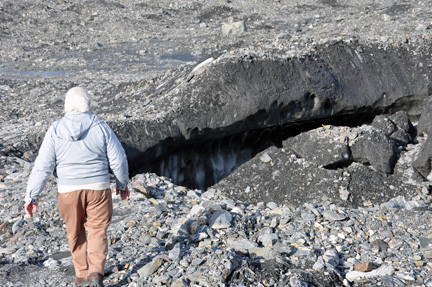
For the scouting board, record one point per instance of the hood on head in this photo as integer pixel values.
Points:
(74, 125)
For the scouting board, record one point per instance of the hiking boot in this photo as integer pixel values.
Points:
(96, 280)
(81, 282)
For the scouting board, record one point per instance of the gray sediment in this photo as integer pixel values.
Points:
(271, 143)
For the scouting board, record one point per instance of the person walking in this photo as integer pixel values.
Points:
(80, 148)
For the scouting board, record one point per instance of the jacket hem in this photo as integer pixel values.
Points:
(81, 181)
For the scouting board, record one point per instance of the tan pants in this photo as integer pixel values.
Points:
(89, 210)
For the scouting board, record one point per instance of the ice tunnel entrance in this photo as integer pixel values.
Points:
(221, 118)
(201, 163)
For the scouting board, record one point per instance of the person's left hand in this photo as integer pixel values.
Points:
(29, 208)
(124, 194)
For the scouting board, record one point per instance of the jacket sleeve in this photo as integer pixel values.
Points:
(42, 169)
(117, 159)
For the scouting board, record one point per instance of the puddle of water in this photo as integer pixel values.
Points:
(180, 56)
(154, 60)
(41, 73)
(116, 56)
(9, 74)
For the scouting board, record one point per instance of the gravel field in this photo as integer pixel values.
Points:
(124, 52)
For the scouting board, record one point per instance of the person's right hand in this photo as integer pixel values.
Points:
(29, 208)
(124, 194)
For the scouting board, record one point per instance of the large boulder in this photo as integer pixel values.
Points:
(423, 161)
(336, 147)
(322, 147)
(377, 149)
(397, 126)
(425, 121)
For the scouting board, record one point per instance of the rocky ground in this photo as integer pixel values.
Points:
(165, 234)
(124, 53)
(170, 235)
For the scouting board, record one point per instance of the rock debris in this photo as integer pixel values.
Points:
(356, 218)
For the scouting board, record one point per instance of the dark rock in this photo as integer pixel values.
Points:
(384, 124)
(423, 161)
(402, 121)
(294, 181)
(397, 126)
(401, 137)
(263, 272)
(321, 147)
(425, 121)
(381, 245)
(377, 149)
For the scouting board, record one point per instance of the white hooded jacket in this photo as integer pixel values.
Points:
(81, 148)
